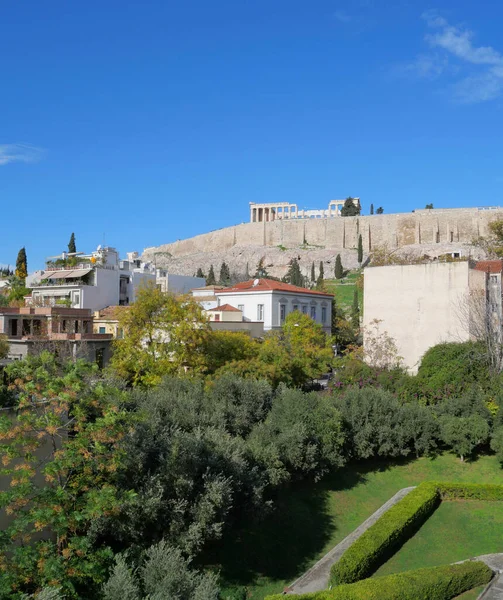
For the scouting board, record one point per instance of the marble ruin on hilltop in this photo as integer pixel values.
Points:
(272, 211)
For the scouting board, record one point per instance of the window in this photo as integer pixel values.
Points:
(295, 307)
(241, 307)
(103, 329)
(217, 317)
(13, 327)
(260, 312)
(323, 314)
(313, 312)
(304, 309)
(282, 312)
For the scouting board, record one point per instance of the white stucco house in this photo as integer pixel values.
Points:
(269, 302)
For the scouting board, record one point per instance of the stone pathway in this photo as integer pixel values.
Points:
(316, 579)
(494, 590)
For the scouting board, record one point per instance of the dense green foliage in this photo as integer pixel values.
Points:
(350, 209)
(164, 573)
(382, 539)
(360, 249)
(72, 248)
(437, 583)
(211, 280)
(21, 264)
(338, 270)
(469, 491)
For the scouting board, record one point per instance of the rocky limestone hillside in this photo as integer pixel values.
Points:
(276, 259)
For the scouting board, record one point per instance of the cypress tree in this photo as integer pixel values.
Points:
(21, 264)
(371, 209)
(247, 272)
(225, 274)
(200, 273)
(338, 270)
(261, 270)
(380, 211)
(322, 271)
(210, 280)
(313, 274)
(355, 311)
(360, 249)
(294, 275)
(71, 244)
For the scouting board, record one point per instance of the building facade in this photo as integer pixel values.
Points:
(67, 332)
(269, 302)
(421, 305)
(272, 211)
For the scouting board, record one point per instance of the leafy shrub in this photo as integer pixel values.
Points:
(383, 538)
(164, 573)
(437, 583)
(380, 425)
(464, 434)
(469, 491)
(451, 367)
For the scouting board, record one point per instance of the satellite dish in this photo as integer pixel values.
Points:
(256, 282)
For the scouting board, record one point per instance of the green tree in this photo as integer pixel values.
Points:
(21, 265)
(163, 573)
(261, 271)
(62, 479)
(464, 434)
(497, 443)
(371, 209)
(355, 311)
(429, 206)
(247, 272)
(223, 347)
(200, 273)
(360, 249)
(380, 211)
(225, 274)
(338, 270)
(342, 330)
(294, 275)
(71, 244)
(313, 274)
(165, 334)
(210, 280)
(350, 209)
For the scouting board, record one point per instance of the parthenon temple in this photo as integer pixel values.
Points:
(273, 211)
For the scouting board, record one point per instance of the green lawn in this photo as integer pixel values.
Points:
(455, 531)
(344, 290)
(311, 519)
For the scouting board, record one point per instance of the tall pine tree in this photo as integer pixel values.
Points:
(200, 273)
(360, 249)
(313, 274)
(71, 244)
(210, 280)
(261, 271)
(380, 211)
(21, 264)
(371, 209)
(338, 270)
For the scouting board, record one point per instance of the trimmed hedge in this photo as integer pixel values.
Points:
(437, 583)
(469, 491)
(385, 536)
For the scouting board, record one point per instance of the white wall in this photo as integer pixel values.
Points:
(137, 280)
(419, 305)
(180, 284)
(272, 300)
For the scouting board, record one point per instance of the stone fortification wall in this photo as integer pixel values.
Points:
(396, 230)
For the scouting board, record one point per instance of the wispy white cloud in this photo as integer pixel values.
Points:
(454, 52)
(10, 153)
(342, 16)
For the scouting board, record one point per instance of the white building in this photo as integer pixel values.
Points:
(92, 281)
(422, 305)
(205, 296)
(177, 284)
(268, 302)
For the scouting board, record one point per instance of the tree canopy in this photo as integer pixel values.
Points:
(350, 209)
(21, 264)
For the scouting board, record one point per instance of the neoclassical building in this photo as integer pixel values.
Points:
(286, 210)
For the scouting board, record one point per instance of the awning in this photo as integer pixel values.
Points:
(74, 274)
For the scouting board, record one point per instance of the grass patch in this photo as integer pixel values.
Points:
(456, 530)
(344, 290)
(310, 519)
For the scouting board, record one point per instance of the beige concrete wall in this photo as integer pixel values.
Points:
(394, 230)
(418, 305)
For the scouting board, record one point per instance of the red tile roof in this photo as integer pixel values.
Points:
(490, 266)
(265, 285)
(225, 308)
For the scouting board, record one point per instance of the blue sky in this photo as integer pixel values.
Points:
(147, 122)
